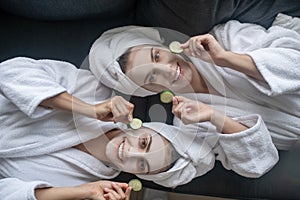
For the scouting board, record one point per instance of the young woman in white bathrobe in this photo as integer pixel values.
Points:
(238, 69)
(58, 135)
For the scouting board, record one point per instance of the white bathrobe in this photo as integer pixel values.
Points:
(35, 143)
(276, 53)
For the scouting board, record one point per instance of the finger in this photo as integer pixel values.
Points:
(122, 185)
(125, 110)
(128, 193)
(191, 48)
(119, 190)
(199, 46)
(175, 103)
(185, 45)
(118, 112)
(178, 110)
(180, 98)
(112, 194)
(130, 115)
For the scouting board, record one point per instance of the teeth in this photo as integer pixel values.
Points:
(120, 151)
(177, 73)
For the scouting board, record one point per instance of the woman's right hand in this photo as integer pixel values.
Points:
(116, 109)
(100, 190)
(106, 190)
(190, 111)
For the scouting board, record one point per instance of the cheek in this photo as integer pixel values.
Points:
(137, 76)
(129, 166)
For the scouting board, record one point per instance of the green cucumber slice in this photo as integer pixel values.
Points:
(135, 184)
(175, 47)
(136, 123)
(166, 96)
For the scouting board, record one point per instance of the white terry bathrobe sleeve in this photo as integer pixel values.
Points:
(13, 188)
(250, 153)
(27, 82)
(275, 52)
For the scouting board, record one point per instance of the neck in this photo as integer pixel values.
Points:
(198, 82)
(97, 146)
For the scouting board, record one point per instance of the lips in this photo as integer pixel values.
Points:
(121, 151)
(179, 71)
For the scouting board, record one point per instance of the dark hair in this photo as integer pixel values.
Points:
(123, 59)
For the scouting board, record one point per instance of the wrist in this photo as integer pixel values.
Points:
(223, 59)
(217, 119)
(59, 193)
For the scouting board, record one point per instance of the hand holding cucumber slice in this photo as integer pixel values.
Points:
(135, 184)
(166, 96)
(175, 47)
(136, 123)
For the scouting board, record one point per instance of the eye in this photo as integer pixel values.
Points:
(156, 56)
(152, 78)
(141, 164)
(143, 143)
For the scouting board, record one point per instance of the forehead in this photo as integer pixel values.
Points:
(140, 55)
(159, 154)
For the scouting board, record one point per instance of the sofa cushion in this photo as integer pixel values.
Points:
(68, 9)
(199, 16)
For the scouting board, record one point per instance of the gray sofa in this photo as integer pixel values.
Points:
(65, 30)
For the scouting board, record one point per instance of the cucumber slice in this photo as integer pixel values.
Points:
(135, 184)
(175, 47)
(136, 123)
(166, 96)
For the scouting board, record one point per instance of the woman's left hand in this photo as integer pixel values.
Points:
(205, 47)
(190, 111)
(208, 49)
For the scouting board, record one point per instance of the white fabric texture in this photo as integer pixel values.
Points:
(287, 21)
(13, 188)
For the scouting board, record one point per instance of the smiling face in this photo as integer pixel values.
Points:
(139, 151)
(156, 68)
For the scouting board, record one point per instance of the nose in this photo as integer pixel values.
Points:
(131, 152)
(170, 72)
(166, 69)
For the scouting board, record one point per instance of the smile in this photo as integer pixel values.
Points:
(178, 70)
(120, 151)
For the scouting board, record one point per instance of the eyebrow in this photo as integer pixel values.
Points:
(149, 144)
(147, 150)
(148, 167)
(152, 60)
